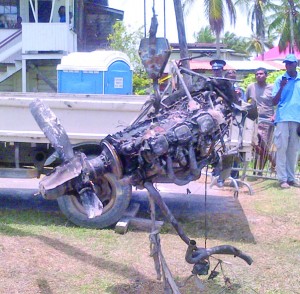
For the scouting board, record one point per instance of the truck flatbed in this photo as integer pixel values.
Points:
(85, 117)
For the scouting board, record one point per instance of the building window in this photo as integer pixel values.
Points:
(8, 13)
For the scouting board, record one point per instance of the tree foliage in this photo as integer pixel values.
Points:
(257, 45)
(285, 22)
(128, 42)
(256, 11)
(236, 43)
(205, 35)
(268, 20)
(215, 11)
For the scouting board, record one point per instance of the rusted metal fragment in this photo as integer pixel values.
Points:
(154, 56)
(52, 128)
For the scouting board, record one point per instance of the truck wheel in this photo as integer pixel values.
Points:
(114, 196)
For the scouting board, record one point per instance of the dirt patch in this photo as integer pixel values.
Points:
(49, 255)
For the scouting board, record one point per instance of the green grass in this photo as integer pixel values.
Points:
(277, 202)
(101, 261)
(97, 285)
(30, 223)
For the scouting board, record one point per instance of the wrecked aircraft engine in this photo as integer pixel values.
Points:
(171, 145)
(171, 141)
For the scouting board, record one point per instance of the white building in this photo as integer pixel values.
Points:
(29, 55)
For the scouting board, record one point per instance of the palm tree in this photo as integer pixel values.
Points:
(231, 40)
(257, 45)
(205, 35)
(215, 12)
(236, 43)
(256, 18)
(292, 19)
(256, 14)
(284, 22)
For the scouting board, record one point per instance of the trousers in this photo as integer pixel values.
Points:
(287, 143)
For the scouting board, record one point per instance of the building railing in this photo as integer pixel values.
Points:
(10, 38)
(37, 37)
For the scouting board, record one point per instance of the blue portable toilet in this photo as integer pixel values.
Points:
(97, 72)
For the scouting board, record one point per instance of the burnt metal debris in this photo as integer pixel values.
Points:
(172, 140)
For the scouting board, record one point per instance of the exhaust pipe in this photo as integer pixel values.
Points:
(196, 254)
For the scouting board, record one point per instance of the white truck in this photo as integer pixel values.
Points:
(87, 118)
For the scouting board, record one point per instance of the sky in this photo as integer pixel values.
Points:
(134, 18)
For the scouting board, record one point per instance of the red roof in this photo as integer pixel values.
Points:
(274, 54)
(205, 64)
(245, 65)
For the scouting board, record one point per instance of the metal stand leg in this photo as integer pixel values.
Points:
(235, 183)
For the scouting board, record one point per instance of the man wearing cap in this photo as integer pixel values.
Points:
(286, 94)
(217, 66)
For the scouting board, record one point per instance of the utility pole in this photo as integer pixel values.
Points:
(182, 38)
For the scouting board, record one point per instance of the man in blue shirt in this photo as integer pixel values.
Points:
(286, 94)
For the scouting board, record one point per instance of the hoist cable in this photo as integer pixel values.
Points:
(205, 210)
(145, 21)
(165, 19)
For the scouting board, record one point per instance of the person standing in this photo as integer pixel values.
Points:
(3, 21)
(18, 24)
(231, 74)
(261, 93)
(217, 66)
(286, 94)
(62, 13)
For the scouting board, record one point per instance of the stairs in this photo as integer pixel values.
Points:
(11, 55)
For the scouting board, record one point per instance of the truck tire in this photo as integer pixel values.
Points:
(114, 196)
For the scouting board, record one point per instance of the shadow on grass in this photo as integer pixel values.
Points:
(43, 286)
(139, 283)
(211, 286)
(262, 185)
(225, 218)
(220, 217)
(25, 199)
(78, 254)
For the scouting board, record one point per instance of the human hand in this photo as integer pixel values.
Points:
(283, 82)
(238, 93)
